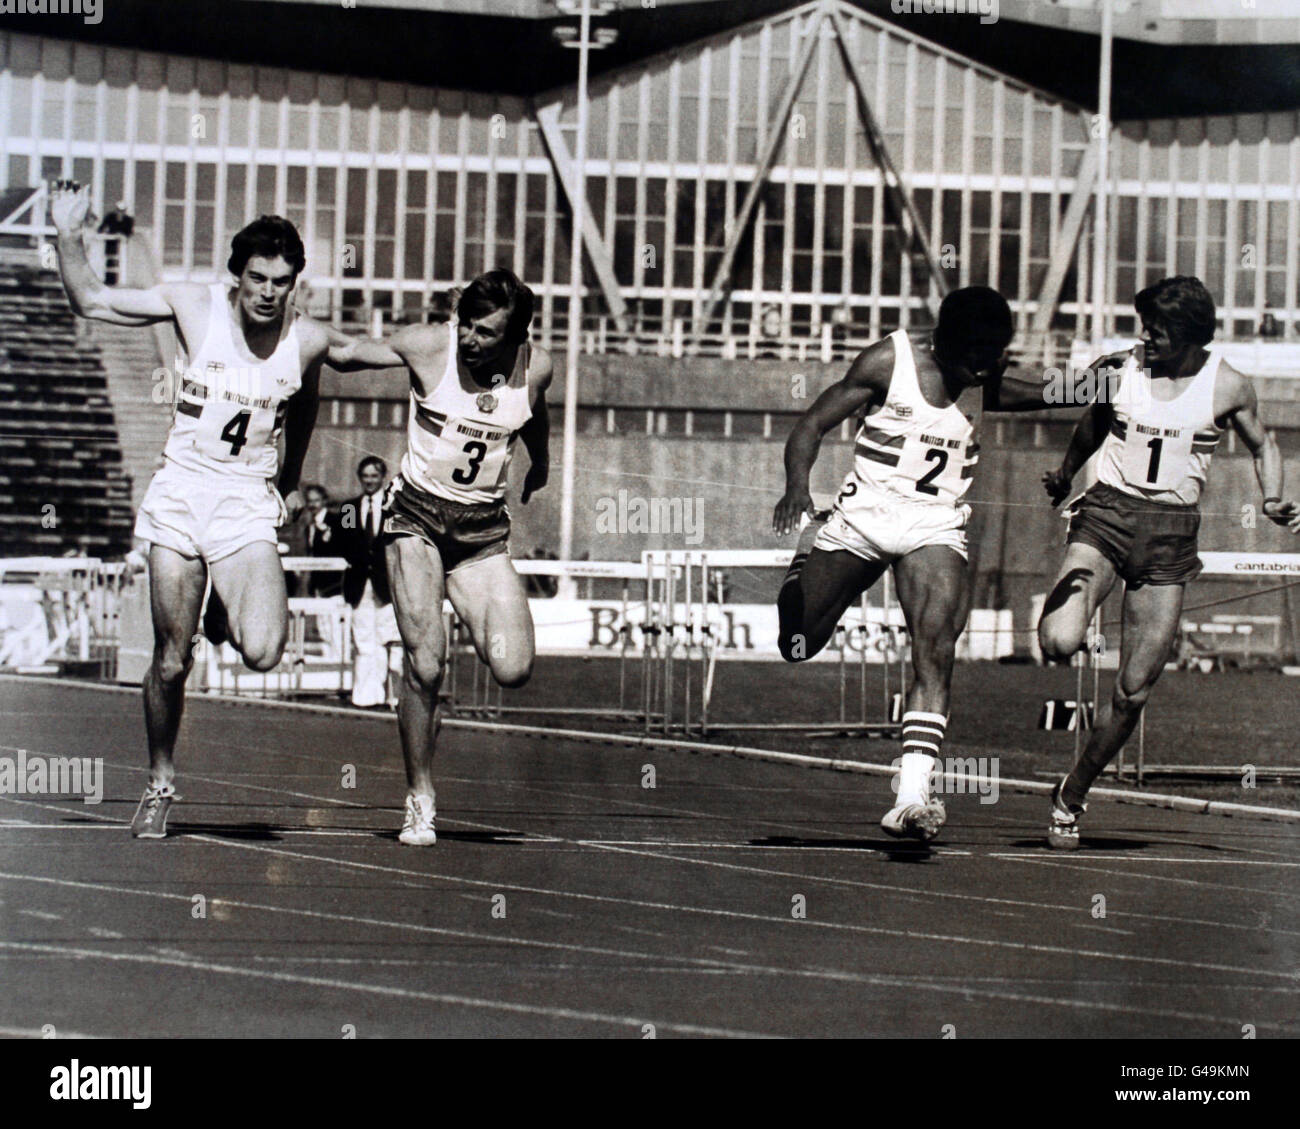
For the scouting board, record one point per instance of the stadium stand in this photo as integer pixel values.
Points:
(62, 481)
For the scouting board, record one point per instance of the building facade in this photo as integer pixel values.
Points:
(402, 190)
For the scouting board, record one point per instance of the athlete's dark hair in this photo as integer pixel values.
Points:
(372, 460)
(971, 318)
(1183, 305)
(267, 236)
(499, 290)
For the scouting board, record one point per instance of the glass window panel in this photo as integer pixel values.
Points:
(174, 235)
(475, 205)
(205, 216)
(536, 189)
(385, 204)
(265, 198)
(507, 186)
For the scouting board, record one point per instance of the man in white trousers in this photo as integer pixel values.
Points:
(356, 538)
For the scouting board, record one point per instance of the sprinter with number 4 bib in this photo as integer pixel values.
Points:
(1172, 399)
(212, 510)
(918, 397)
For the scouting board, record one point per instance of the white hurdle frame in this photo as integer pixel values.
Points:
(663, 569)
(487, 700)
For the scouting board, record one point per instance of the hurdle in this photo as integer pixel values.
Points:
(684, 609)
(486, 700)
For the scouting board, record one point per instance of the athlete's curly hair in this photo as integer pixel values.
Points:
(499, 290)
(267, 236)
(1181, 303)
(974, 317)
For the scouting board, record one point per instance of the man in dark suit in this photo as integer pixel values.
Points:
(310, 534)
(355, 530)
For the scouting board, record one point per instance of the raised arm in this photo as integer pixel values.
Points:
(536, 433)
(1268, 459)
(87, 294)
(866, 382)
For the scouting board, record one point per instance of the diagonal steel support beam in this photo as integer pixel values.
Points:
(548, 122)
(903, 206)
(1084, 183)
(767, 158)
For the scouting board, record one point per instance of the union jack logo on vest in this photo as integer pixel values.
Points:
(486, 402)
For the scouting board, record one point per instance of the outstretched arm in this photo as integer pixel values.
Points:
(1012, 394)
(536, 433)
(87, 294)
(359, 354)
(1268, 459)
(1089, 432)
(866, 382)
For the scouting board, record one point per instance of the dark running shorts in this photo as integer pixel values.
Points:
(462, 532)
(1148, 543)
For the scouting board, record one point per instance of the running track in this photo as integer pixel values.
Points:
(623, 906)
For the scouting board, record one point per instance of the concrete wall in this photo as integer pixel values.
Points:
(719, 493)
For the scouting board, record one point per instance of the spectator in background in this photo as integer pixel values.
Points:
(442, 305)
(770, 325)
(356, 537)
(536, 584)
(1269, 326)
(118, 221)
(310, 535)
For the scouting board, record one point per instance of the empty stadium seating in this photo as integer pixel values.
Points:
(62, 482)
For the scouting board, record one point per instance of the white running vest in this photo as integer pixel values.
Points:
(911, 448)
(459, 443)
(1161, 450)
(229, 411)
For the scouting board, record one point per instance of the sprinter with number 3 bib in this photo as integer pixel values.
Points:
(477, 388)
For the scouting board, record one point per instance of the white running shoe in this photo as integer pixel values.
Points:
(150, 819)
(1063, 830)
(417, 828)
(915, 820)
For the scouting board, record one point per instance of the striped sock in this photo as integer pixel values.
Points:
(923, 735)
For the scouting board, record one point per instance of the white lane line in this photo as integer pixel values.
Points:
(1037, 856)
(977, 941)
(629, 1021)
(768, 756)
(41, 915)
(1172, 880)
(803, 973)
(909, 934)
(564, 1013)
(39, 1033)
(905, 891)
